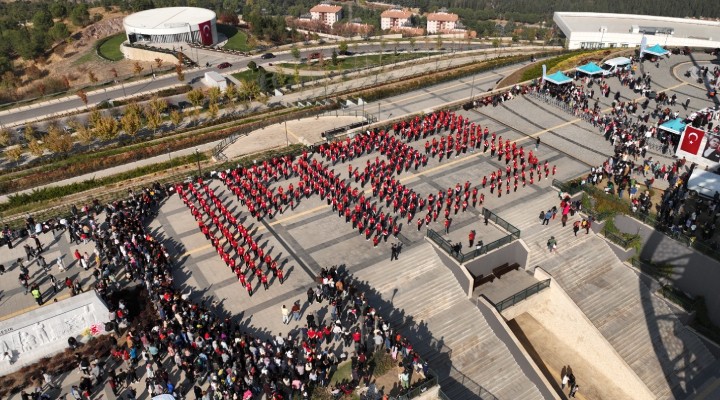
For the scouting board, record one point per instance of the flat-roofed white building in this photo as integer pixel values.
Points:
(395, 19)
(327, 13)
(596, 30)
(214, 79)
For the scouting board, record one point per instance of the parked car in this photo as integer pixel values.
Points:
(316, 55)
(224, 65)
(267, 55)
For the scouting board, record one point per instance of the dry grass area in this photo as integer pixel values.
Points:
(76, 58)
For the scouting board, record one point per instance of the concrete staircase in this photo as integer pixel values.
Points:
(420, 294)
(642, 327)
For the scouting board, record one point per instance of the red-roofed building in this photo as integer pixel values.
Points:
(327, 13)
(441, 22)
(395, 19)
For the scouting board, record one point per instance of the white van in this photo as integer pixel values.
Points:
(704, 183)
(615, 65)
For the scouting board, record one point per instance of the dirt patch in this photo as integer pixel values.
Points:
(75, 59)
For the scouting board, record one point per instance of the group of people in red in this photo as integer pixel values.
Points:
(211, 214)
(257, 187)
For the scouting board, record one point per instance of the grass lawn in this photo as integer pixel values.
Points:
(352, 62)
(110, 47)
(89, 56)
(237, 40)
(343, 373)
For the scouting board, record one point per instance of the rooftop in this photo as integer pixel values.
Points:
(396, 14)
(446, 17)
(623, 23)
(169, 17)
(326, 8)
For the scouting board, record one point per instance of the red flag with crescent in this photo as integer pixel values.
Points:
(691, 139)
(206, 36)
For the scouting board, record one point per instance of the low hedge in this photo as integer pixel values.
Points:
(55, 192)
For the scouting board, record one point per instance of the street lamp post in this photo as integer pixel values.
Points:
(197, 157)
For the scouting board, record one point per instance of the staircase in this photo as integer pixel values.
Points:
(418, 293)
(641, 327)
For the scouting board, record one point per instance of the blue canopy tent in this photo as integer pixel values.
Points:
(557, 78)
(590, 69)
(675, 126)
(656, 50)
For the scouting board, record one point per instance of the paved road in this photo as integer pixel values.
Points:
(72, 102)
(412, 102)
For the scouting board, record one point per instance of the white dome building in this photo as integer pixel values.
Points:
(172, 24)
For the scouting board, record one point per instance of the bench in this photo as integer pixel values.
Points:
(504, 269)
(481, 280)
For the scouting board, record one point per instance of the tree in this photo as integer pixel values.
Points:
(252, 66)
(334, 57)
(343, 47)
(176, 117)
(84, 134)
(158, 62)
(58, 10)
(195, 97)
(137, 68)
(296, 76)
(80, 15)
(92, 77)
(83, 96)
(36, 148)
(438, 42)
(107, 128)
(57, 141)
(159, 105)
(130, 121)
(250, 90)
(213, 95)
(295, 52)
(179, 72)
(213, 110)
(29, 133)
(14, 153)
(153, 118)
(42, 20)
(33, 72)
(5, 137)
(231, 93)
(412, 43)
(59, 31)
(95, 118)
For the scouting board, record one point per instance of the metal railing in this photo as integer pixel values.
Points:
(522, 295)
(514, 234)
(418, 389)
(571, 187)
(625, 243)
(469, 385)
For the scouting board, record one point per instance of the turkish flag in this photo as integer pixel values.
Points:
(691, 140)
(206, 36)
